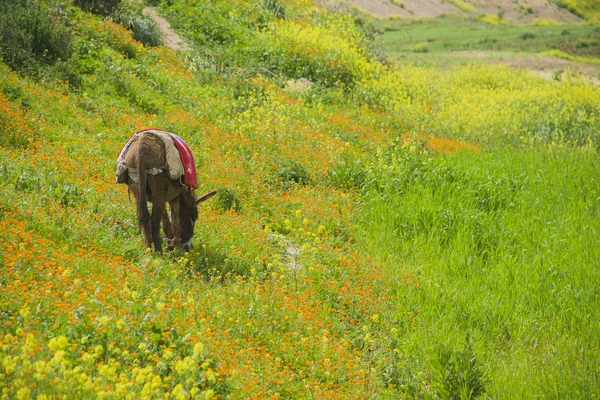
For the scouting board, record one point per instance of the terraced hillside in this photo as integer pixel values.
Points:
(520, 11)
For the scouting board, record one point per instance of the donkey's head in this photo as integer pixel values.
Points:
(188, 213)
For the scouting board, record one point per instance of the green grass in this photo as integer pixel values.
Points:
(452, 34)
(503, 245)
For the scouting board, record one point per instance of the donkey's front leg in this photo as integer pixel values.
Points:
(167, 227)
(168, 230)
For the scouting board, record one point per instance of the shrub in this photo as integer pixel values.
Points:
(584, 43)
(490, 19)
(246, 93)
(294, 171)
(211, 26)
(422, 47)
(545, 22)
(461, 5)
(458, 374)
(100, 7)
(30, 38)
(275, 7)
(349, 173)
(144, 28)
(229, 199)
(527, 36)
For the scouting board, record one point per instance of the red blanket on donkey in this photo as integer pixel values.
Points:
(190, 178)
(187, 159)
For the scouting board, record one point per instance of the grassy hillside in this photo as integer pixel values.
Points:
(589, 9)
(395, 231)
(456, 34)
(452, 40)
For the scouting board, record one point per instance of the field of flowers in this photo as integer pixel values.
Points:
(393, 232)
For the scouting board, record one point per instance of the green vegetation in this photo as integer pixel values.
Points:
(390, 231)
(144, 28)
(100, 7)
(461, 5)
(452, 34)
(488, 232)
(588, 9)
(31, 36)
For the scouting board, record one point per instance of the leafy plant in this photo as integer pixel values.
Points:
(457, 373)
(349, 173)
(30, 37)
(275, 7)
(100, 7)
(527, 35)
(294, 171)
(229, 199)
(143, 27)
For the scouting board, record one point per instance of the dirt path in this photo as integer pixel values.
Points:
(167, 34)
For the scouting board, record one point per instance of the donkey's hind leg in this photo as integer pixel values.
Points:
(145, 224)
(175, 221)
(158, 210)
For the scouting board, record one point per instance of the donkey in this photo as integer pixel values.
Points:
(147, 155)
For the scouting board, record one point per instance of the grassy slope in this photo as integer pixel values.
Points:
(589, 9)
(455, 34)
(405, 250)
(500, 248)
(436, 39)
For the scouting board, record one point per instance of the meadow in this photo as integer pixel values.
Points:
(395, 231)
(449, 40)
(453, 33)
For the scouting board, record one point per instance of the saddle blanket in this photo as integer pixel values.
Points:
(180, 161)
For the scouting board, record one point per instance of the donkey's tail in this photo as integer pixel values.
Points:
(142, 206)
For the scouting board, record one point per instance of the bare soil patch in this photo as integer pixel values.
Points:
(510, 10)
(522, 13)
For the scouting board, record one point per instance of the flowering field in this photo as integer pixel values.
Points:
(393, 232)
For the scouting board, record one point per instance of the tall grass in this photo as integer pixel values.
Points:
(144, 28)
(504, 245)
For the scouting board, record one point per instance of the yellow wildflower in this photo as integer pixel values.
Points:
(58, 343)
(179, 392)
(198, 350)
(24, 393)
(211, 376)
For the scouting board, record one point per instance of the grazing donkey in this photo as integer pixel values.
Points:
(148, 178)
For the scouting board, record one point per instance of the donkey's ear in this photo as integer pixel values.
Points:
(204, 197)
